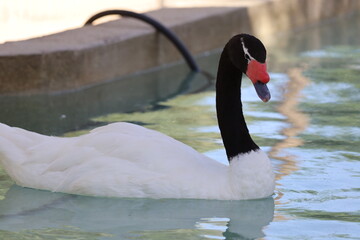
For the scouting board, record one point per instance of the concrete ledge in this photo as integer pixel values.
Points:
(95, 54)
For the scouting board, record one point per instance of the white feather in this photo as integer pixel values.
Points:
(126, 160)
(247, 55)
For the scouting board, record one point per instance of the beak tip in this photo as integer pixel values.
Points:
(266, 98)
(262, 91)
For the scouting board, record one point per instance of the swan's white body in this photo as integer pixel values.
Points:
(126, 160)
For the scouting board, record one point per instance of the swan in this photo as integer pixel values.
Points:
(127, 160)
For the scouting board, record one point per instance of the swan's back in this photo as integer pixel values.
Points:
(119, 159)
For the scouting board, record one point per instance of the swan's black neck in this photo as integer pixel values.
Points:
(234, 131)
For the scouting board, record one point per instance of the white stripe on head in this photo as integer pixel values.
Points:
(247, 55)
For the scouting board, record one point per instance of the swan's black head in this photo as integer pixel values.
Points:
(248, 54)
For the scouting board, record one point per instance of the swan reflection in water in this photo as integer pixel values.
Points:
(28, 211)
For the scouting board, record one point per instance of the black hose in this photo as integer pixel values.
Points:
(158, 26)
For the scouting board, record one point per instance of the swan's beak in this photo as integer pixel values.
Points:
(262, 91)
(257, 73)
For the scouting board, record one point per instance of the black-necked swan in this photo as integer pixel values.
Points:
(127, 160)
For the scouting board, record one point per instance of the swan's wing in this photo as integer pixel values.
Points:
(115, 160)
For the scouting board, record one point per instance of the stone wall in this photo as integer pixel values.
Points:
(95, 54)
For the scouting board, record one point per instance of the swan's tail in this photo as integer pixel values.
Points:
(14, 144)
(22, 138)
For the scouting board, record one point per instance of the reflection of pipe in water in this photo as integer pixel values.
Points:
(297, 119)
(55, 114)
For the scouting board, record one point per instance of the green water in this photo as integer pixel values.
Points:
(310, 129)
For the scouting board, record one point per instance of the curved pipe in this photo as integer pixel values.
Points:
(158, 26)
